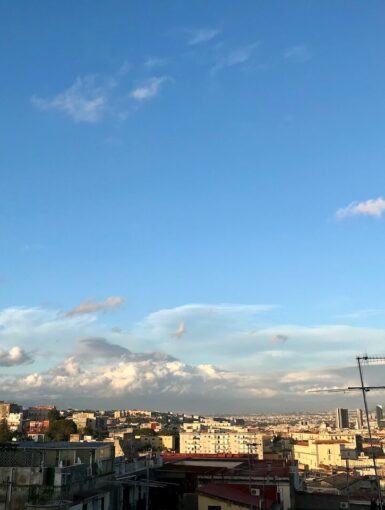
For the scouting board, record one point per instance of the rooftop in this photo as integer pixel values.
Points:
(60, 445)
(237, 493)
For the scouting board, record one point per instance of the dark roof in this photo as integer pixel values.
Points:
(339, 481)
(229, 493)
(236, 493)
(61, 445)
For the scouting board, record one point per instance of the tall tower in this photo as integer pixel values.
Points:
(342, 418)
(359, 419)
(379, 415)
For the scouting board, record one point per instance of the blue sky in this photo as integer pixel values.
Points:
(208, 177)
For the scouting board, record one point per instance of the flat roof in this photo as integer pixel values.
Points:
(60, 445)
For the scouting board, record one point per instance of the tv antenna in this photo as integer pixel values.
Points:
(364, 360)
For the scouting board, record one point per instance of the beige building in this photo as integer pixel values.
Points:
(350, 438)
(15, 422)
(314, 454)
(84, 420)
(6, 408)
(157, 443)
(209, 442)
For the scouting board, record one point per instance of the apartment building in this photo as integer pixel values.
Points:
(350, 438)
(83, 420)
(157, 442)
(58, 475)
(244, 442)
(7, 407)
(15, 422)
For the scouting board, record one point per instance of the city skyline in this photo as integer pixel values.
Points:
(192, 203)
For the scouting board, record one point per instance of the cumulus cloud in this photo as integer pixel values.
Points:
(14, 356)
(149, 89)
(163, 378)
(84, 101)
(299, 54)
(235, 57)
(89, 306)
(142, 374)
(201, 35)
(219, 355)
(373, 207)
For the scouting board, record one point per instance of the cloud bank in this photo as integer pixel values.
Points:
(226, 357)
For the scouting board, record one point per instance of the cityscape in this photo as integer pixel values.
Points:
(141, 459)
(192, 284)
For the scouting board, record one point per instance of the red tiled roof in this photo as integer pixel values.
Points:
(170, 457)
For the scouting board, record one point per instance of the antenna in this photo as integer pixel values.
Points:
(367, 360)
(370, 360)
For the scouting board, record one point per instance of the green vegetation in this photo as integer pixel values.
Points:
(5, 433)
(59, 428)
(147, 432)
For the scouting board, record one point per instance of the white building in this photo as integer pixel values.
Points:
(15, 422)
(210, 442)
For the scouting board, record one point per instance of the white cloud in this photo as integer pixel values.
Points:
(155, 62)
(14, 356)
(227, 351)
(156, 377)
(298, 54)
(235, 57)
(201, 35)
(374, 207)
(142, 374)
(204, 320)
(84, 101)
(149, 89)
(181, 330)
(89, 306)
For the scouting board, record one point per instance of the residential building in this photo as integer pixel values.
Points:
(7, 407)
(207, 442)
(15, 422)
(59, 476)
(214, 496)
(39, 413)
(190, 473)
(84, 419)
(157, 442)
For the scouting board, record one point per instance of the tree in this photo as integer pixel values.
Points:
(53, 415)
(147, 432)
(60, 430)
(5, 433)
